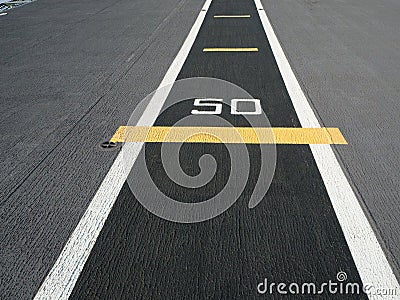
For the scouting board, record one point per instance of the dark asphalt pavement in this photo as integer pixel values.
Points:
(65, 87)
(71, 72)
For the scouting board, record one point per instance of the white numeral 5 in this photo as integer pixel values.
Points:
(203, 103)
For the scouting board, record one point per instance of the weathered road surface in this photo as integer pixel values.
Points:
(72, 72)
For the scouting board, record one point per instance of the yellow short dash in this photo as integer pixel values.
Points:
(233, 135)
(230, 50)
(231, 16)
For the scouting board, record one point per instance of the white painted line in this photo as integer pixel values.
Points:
(370, 260)
(61, 279)
(3, 14)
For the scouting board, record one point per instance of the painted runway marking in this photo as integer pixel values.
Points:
(231, 16)
(368, 256)
(248, 135)
(61, 279)
(370, 260)
(230, 50)
(210, 102)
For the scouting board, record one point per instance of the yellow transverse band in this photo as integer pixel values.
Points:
(247, 135)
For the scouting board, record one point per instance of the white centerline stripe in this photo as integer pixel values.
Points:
(61, 279)
(370, 260)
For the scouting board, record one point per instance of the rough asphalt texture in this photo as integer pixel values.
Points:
(72, 71)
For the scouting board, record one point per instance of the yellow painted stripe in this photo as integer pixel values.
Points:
(230, 49)
(248, 135)
(231, 16)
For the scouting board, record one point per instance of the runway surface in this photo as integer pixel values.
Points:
(72, 73)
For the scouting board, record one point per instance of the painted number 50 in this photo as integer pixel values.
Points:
(217, 107)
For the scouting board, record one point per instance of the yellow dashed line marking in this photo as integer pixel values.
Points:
(234, 135)
(231, 16)
(230, 50)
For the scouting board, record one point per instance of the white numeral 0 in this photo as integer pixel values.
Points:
(257, 107)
